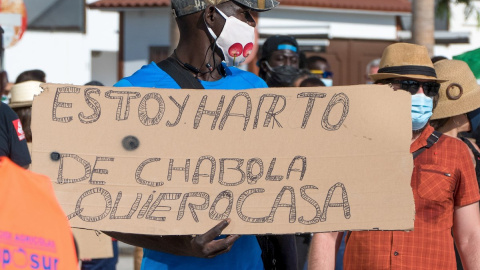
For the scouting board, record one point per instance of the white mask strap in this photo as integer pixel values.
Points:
(210, 29)
(221, 13)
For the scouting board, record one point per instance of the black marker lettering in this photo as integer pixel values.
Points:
(108, 204)
(271, 112)
(143, 110)
(180, 110)
(123, 108)
(93, 104)
(237, 168)
(192, 206)
(337, 98)
(241, 200)
(136, 203)
(227, 194)
(252, 179)
(302, 171)
(56, 103)
(311, 102)
(156, 205)
(269, 176)
(345, 204)
(185, 169)
(85, 164)
(201, 111)
(197, 174)
(276, 204)
(310, 200)
(99, 171)
(138, 173)
(248, 111)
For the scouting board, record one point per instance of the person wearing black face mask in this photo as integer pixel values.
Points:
(279, 64)
(282, 76)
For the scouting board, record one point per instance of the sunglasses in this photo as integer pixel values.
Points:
(429, 88)
(323, 74)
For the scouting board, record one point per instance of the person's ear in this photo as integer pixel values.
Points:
(263, 66)
(209, 15)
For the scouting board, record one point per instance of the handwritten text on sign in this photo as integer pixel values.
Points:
(273, 160)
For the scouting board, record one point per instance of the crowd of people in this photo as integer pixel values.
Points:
(445, 114)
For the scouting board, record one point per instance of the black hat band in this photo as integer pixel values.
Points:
(410, 70)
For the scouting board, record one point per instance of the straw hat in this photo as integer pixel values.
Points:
(404, 60)
(460, 93)
(22, 93)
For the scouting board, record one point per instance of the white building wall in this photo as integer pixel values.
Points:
(332, 22)
(65, 57)
(458, 23)
(144, 28)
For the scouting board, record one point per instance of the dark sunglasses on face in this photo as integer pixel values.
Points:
(429, 88)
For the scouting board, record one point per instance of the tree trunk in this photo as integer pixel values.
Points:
(423, 23)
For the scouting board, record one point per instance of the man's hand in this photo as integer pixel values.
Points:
(203, 246)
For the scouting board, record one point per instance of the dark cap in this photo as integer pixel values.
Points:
(186, 7)
(276, 43)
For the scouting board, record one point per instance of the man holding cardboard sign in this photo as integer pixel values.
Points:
(443, 182)
(210, 31)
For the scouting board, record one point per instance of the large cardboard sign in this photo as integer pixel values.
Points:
(93, 244)
(173, 162)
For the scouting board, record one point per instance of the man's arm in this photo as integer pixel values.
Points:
(203, 246)
(466, 231)
(323, 250)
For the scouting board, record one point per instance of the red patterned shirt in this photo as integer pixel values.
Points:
(443, 178)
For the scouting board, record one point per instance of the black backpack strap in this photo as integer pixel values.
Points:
(181, 76)
(432, 139)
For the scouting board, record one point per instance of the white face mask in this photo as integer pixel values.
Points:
(235, 40)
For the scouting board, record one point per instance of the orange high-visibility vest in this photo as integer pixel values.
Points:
(34, 231)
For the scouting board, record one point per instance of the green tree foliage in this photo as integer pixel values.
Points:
(442, 9)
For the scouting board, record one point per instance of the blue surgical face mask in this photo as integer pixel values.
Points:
(327, 82)
(422, 107)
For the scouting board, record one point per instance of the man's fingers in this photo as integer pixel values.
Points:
(214, 232)
(222, 245)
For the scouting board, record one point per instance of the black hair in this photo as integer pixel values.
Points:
(31, 75)
(315, 58)
(438, 58)
(311, 82)
(95, 83)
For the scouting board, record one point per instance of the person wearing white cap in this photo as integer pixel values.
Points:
(21, 101)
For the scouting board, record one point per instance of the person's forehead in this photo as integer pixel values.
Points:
(284, 52)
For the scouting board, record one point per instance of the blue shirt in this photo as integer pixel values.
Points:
(152, 76)
(245, 253)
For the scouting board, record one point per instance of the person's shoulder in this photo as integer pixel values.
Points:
(148, 76)
(253, 80)
(452, 144)
(7, 112)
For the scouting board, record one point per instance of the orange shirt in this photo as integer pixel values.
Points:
(443, 178)
(34, 231)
